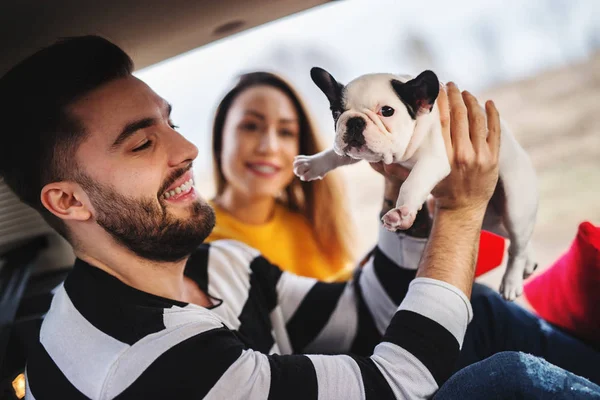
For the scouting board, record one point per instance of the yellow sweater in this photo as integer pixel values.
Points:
(286, 240)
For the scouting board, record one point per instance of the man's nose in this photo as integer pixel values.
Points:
(181, 150)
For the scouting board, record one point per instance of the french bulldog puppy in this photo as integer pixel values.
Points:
(395, 119)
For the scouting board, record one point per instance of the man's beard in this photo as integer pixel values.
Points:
(146, 228)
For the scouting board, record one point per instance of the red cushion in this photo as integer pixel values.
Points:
(568, 293)
(491, 252)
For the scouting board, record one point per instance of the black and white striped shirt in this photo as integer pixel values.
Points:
(271, 334)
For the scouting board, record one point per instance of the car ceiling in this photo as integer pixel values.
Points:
(150, 31)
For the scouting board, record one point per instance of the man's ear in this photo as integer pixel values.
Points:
(328, 85)
(418, 94)
(66, 200)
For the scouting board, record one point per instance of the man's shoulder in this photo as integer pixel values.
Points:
(171, 355)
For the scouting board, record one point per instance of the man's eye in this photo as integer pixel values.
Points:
(173, 126)
(144, 146)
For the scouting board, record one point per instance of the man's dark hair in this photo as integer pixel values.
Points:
(38, 136)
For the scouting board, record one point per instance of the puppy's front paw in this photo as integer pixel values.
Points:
(307, 168)
(399, 218)
(511, 286)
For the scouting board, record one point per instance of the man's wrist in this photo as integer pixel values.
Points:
(466, 215)
(451, 251)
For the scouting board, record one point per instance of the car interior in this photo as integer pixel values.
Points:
(539, 61)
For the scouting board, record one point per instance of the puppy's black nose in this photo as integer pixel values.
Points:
(355, 127)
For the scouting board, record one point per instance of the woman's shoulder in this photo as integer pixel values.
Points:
(226, 226)
(285, 215)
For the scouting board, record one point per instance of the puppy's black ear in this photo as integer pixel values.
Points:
(418, 94)
(328, 85)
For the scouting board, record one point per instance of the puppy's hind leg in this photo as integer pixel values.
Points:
(519, 220)
(494, 214)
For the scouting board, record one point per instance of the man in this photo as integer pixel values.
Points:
(149, 312)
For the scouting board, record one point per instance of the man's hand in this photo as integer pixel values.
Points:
(473, 145)
(394, 174)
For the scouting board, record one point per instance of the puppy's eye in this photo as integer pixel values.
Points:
(336, 114)
(387, 111)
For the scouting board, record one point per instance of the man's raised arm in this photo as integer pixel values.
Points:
(418, 351)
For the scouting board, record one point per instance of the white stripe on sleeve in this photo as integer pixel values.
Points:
(380, 305)
(404, 250)
(338, 377)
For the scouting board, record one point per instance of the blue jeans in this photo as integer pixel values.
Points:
(514, 375)
(499, 326)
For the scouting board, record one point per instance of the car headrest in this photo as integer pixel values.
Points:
(19, 222)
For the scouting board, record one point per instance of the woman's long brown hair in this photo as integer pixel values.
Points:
(322, 201)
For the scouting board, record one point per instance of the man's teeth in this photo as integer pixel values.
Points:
(186, 186)
(265, 169)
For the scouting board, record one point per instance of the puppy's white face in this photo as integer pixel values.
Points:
(375, 114)
(374, 125)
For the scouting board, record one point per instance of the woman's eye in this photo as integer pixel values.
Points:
(173, 126)
(250, 126)
(287, 133)
(143, 146)
(387, 111)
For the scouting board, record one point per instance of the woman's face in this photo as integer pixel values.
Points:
(260, 140)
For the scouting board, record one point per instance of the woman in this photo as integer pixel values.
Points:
(259, 127)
